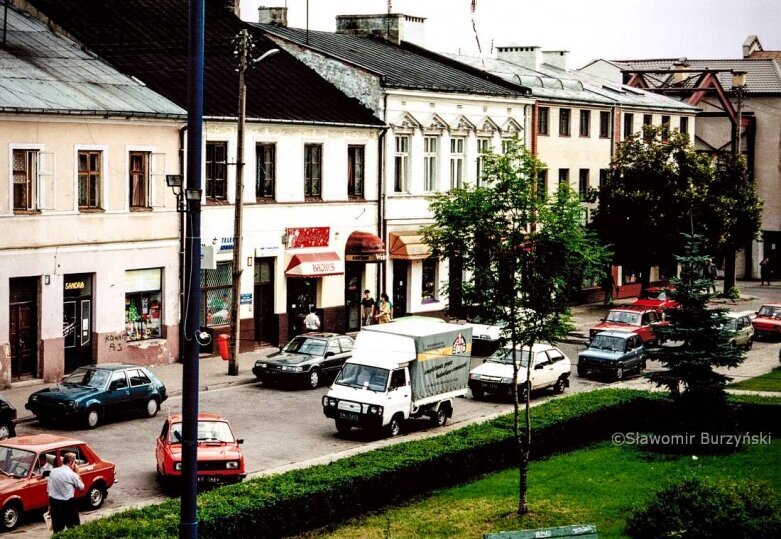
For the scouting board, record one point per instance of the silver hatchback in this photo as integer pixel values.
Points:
(741, 328)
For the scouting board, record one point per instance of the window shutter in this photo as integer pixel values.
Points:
(46, 188)
(157, 184)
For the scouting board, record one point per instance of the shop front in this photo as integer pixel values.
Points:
(305, 274)
(415, 273)
(77, 309)
(361, 249)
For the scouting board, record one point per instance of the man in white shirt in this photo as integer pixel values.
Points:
(312, 321)
(63, 482)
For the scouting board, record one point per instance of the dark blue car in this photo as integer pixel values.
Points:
(90, 394)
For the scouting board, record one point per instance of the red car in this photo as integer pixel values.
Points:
(768, 320)
(25, 463)
(220, 459)
(657, 298)
(640, 320)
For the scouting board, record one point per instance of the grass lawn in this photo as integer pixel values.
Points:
(596, 485)
(770, 381)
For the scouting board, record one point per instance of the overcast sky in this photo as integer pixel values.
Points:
(589, 29)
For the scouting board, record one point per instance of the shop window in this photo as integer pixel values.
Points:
(313, 169)
(355, 171)
(139, 179)
(89, 179)
(429, 281)
(265, 163)
(216, 294)
(143, 304)
(216, 170)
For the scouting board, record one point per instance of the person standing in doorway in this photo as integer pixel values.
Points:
(367, 308)
(63, 482)
(312, 321)
(384, 310)
(764, 271)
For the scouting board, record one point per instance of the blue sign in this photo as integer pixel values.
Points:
(245, 299)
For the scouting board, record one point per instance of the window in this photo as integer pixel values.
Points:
(564, 122)
(143, 304)
(138, 378)
(684, 124)
(647, 119)
(216, 294)
(139, 179)
(429, 281)
(603, 172)
(456, 162)
(507, 145)
(313, 175)
(585, 123)
(542, 120)
(604, 124)
(629, 127)
(563, 176)
(216, 170)
(355, 171)
(483, 147)
(430, 162)
(583, 183)
(265, 170)
(118, 381)
(542, 183)
(89, 179)
(25, 173)
(665, 128)
(346, 344)
(398, 379)
(401, 161)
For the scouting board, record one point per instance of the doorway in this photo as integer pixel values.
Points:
(352, 295)
(77, 320)
(266, 326)
(400, 279)
(23, 327)
(301, 296)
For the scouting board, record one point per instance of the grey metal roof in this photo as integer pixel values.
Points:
(404, 66)
(44, 72)
(763, 75)
(553, 83)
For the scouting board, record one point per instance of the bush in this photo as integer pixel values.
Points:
(700, 509)
(732, 293)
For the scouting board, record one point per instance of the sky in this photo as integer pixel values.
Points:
(589, 29)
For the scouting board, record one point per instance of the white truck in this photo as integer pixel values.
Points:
(398, 371)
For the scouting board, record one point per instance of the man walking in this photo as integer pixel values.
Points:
(63, 482)
(312, 321)
(367, 308)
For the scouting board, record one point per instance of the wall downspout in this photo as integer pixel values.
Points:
(382, 228)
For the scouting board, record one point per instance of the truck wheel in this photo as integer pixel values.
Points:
(314, 378)
(559, 386)
(394, 427)
(439, 419)
(619, 374)
(343, 427)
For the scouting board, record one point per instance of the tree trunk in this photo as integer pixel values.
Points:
(729, 268)
(523, 484)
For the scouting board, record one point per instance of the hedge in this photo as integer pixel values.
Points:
(300, 500)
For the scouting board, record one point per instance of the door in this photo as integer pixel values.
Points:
(140, 388)
(77, 320)
(353, 277)
(400, 286)
(118, 397)
(23, 327)
(266, 327)
(399, 395)
(542, 373)
(301, 296)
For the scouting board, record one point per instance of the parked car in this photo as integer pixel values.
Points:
(7, 419)
(615, 352)
(486, 335)
(741, 327)
(91, 394)
(306, 358)
(220, 459)
(25, 463)
(657, 298)
(768, 320)
(550, 368)
(640, 320)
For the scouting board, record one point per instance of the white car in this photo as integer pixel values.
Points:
(485, 336)
(550, 368)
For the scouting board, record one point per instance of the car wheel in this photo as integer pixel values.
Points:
(92, 418)
(314, 378)
(95, 497)
(439, 419)
(581, 372)
(343, 427)
(750, 343)
(619, 374)
(7, 430)
(559, 386)
(394, 427)
(643, 366)
(152, 407)
(478, 394)
(10, 516)
(523, 393)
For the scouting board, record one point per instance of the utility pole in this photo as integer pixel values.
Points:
(243, 46)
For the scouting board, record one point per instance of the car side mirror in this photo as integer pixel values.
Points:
(603, 320)
(485, 359)
(538, 367)
(46, 473)
(329, 354)
(240, 441)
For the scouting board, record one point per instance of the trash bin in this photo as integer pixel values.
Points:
(223, 344)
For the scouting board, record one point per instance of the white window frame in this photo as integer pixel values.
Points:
(457, 155)
(104, 181)
(155, 175)
(401, 155)
(39, 196)
(431, 163)
(484, 144)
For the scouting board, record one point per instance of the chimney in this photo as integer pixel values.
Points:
(527, 56)
(273, 15)
(233, 6)
(556, 59)
(393, 27)
(678, 76)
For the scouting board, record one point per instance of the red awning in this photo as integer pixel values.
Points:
(364, 247)
(315, 265)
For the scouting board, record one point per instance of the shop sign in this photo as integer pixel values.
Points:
(312, 236)
(245, 299)
(378, 257)
(268, 251)
(208, 258)
(226, 244)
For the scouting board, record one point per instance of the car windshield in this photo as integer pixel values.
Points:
(770, 311)
(82, 376)
(208, 431)
(624, 317)
(16, 462)
(306, 345)
(651, 293)
(611, 344)
(505, 355)
(363, 376)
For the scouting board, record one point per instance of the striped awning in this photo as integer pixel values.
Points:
(408, 246)
(314, 265)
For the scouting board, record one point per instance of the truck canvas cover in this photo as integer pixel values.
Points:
(442, 353)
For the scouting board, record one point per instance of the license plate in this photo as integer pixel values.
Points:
(490, 387)
(210, 479)
(348, 415)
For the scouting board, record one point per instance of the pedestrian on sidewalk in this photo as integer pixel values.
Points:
(384, 310)
(608, 285)
(63, 482)
(312, 321)
(712, 273)
(367, 308)
(764, 271)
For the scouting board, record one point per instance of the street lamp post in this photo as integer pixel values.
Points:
(244, 48)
